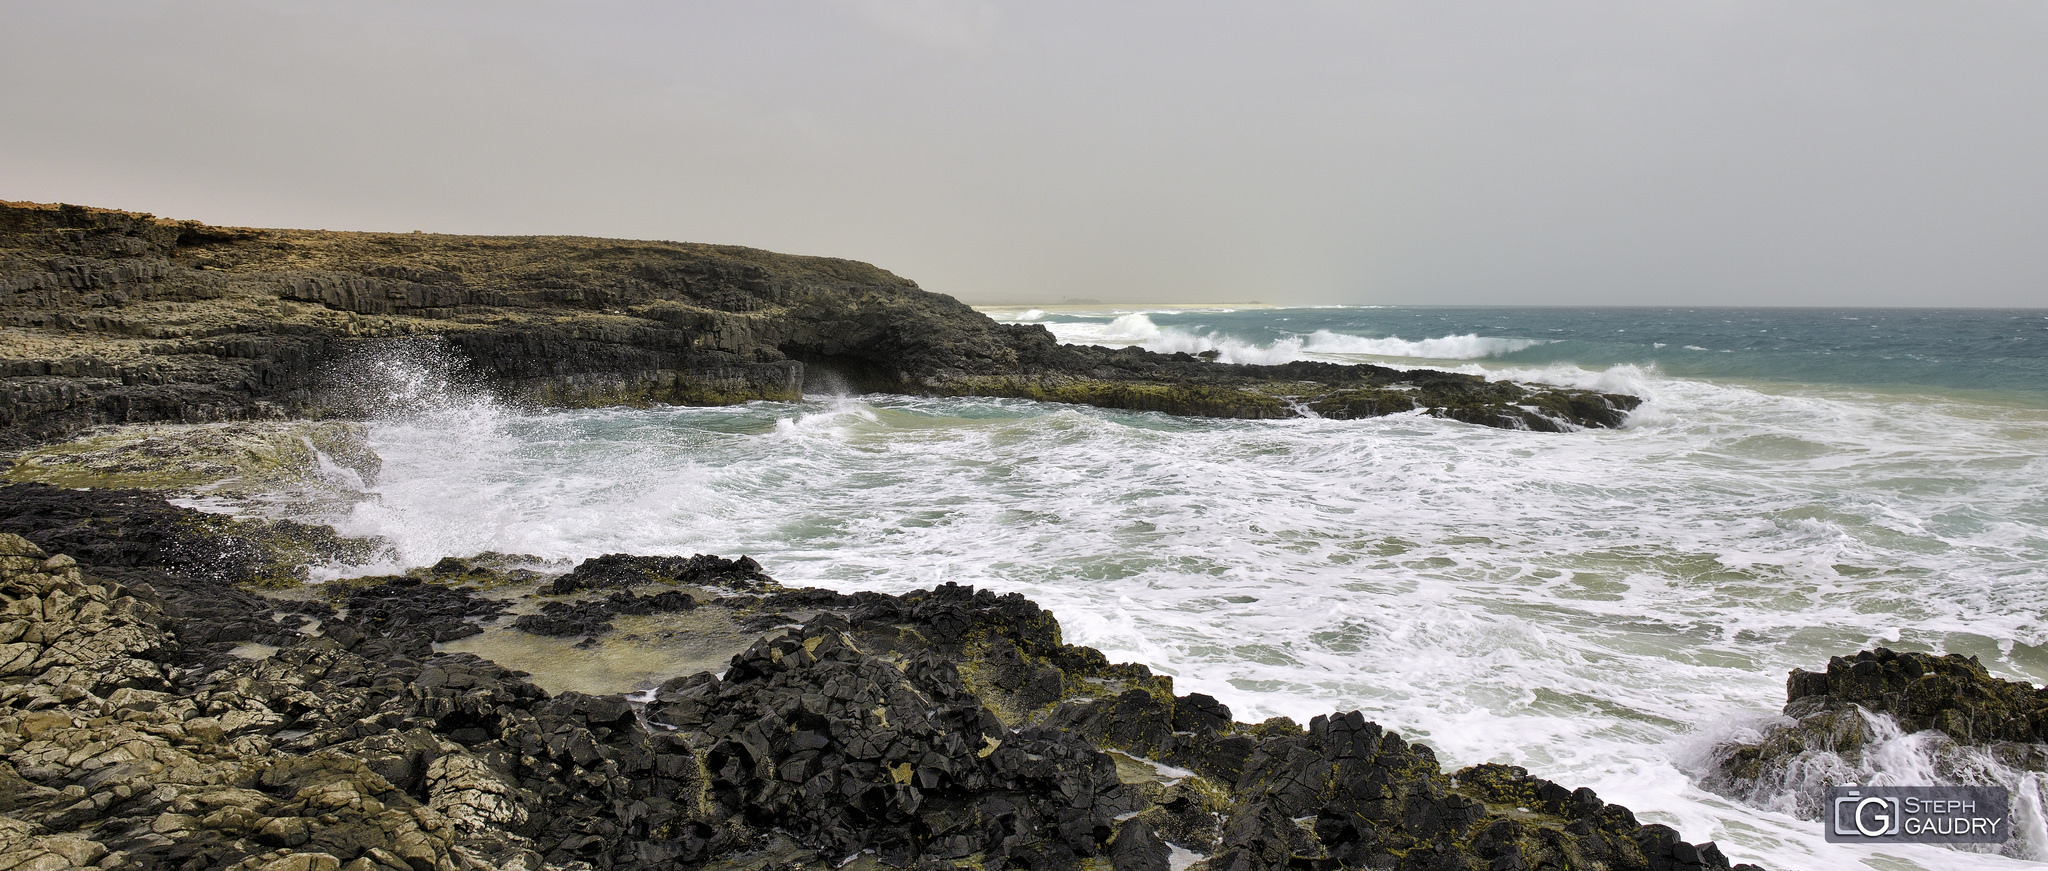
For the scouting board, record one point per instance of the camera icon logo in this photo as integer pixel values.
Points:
(1870, 816)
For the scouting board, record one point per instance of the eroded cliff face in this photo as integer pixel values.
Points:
(118, 317)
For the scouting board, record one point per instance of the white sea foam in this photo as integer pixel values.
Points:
(1624, 378)
(1891, 756)
(1025, 316)
(1137, 328)
(1593, 606)
(1469, 346)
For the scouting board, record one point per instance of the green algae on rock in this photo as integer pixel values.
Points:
(267, 460)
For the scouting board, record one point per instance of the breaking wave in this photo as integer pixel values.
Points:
(1139, 329)
(1881, 753)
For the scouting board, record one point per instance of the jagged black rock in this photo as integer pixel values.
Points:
(942, 728)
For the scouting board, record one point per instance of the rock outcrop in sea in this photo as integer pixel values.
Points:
(169, 699)
(118, 317)
(1948, 714)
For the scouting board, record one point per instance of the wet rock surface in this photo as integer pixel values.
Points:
(941, 728)
(595, 617)
(111, 317)
(1951, 694)
(1969, 721)
(301, 462)
(617, 570)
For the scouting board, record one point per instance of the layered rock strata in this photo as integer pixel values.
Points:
(118, 317)
(947, 728)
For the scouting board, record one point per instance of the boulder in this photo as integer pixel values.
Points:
(1832, 718)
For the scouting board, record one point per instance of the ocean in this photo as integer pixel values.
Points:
(1600, 607)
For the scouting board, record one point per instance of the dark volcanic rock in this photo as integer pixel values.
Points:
(850, 752)
(1831, 718)
(408, 610)
(623, 570)
(114, 317)
(1951, 694)
(192, 566)
(942, 728)
(593, 617)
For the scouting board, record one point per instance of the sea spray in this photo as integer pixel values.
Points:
(407, 377)
(423, 398)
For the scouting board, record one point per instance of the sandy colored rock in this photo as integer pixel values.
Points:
(302, 862)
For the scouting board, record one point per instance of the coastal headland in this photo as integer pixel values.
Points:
(119, 317)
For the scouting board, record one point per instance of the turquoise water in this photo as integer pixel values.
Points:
(1601, 606)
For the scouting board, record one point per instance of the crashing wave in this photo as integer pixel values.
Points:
(1139, 329)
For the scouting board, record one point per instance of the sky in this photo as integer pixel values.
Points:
(1680, 152)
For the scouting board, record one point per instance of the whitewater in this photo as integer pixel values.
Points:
(1600, 607)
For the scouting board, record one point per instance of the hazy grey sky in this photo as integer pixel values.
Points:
(1734, 152)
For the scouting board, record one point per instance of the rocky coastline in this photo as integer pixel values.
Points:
(111, 317)
(169, 700)
(173, 694)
